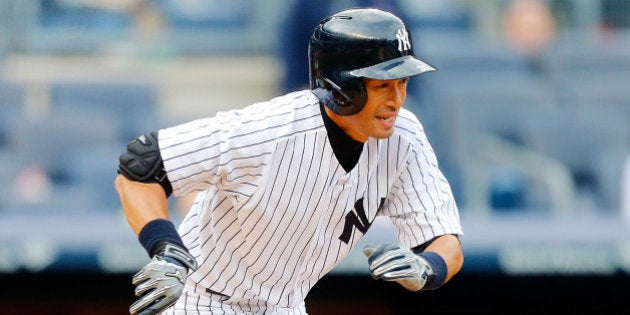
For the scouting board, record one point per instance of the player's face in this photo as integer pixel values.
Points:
(377, 119)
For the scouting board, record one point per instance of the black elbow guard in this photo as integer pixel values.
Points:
(142, 162)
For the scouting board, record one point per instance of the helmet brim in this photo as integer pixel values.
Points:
(401, 67)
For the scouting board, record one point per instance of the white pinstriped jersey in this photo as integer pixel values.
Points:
(276, 211)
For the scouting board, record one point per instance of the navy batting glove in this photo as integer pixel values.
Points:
(160, 283)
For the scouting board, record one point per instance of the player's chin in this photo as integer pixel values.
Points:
(383, 133)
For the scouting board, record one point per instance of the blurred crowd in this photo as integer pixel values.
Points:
(529, 109)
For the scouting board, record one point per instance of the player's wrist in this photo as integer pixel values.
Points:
(156, 234)
(437, 265)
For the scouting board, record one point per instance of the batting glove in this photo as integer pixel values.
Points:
(160, 283)
(395, 262)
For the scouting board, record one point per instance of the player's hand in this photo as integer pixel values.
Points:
(160, 283)
(395, 262)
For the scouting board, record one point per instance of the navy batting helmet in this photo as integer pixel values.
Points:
(357, 43)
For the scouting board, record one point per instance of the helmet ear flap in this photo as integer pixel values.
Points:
(347, 94)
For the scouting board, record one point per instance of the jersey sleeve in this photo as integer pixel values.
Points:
(228, 152)
(421, 204)
(192, 154)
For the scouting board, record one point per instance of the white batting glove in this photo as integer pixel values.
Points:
(395, 262)
(160, 283)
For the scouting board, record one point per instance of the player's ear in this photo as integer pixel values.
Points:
(343, 93)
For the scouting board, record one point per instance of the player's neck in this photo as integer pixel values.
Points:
(340, 121)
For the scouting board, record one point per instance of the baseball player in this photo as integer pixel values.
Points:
(288, 187)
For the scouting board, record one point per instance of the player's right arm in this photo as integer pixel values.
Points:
(143, 189)
(141, 202)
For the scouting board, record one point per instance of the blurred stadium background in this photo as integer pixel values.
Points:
(534, 136)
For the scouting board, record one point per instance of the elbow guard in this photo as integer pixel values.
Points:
(142, 162)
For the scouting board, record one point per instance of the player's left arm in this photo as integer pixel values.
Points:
(144, 188)
(425, 267)
(434, 262)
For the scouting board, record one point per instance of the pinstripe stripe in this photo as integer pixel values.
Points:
(273, 200)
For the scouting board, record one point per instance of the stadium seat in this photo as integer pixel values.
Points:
(61, 151)
(489, 125)
(11, 105)
(133, 105)
(591, 134)
(94, 168)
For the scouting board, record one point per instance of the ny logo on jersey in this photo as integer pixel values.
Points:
(359, 220)
(403, 40)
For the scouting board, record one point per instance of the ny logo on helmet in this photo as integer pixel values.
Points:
(403, 40)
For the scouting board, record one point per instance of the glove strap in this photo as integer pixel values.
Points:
(180, 254)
